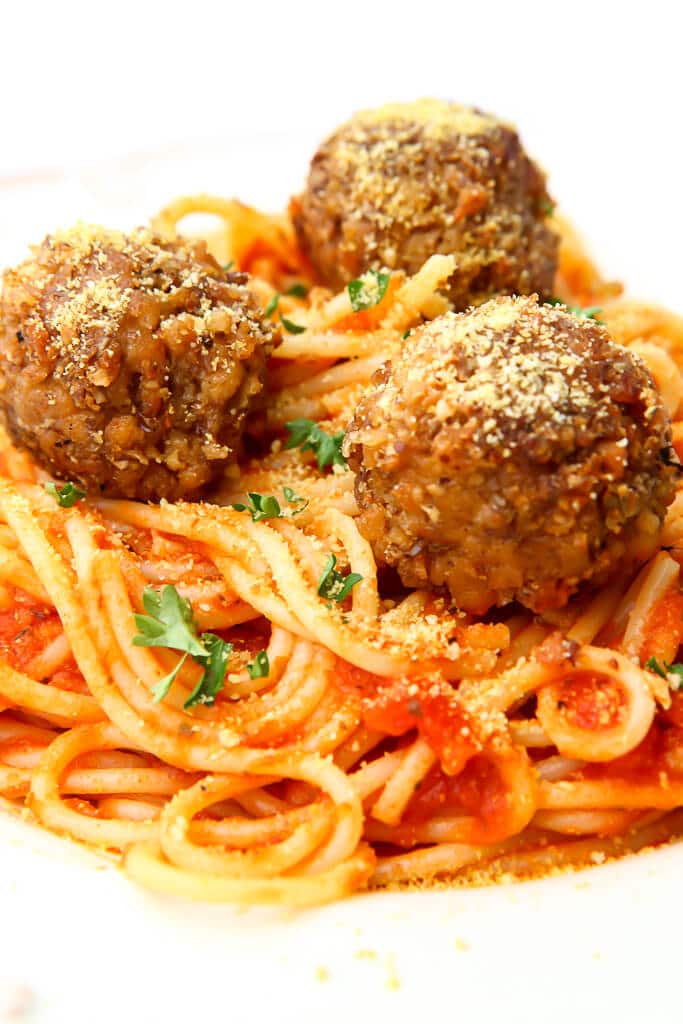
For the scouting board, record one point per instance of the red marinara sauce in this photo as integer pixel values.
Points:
(428, 705)
(26, 628)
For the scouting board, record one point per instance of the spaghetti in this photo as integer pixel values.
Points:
(381, 739)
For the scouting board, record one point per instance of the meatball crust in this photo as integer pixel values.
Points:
(511, 452)
(395, 185)
(128, 362)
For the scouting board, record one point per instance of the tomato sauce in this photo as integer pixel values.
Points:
(397, 706)
(476, 791)
(26, 629)
(591, 701)
(663, 631)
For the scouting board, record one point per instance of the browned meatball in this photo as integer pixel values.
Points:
(511, 452)
(128, 363)
(395, 185)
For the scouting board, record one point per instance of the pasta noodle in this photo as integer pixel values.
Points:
(384, 739)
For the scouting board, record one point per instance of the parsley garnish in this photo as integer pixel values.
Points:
(67, 495)
(335, 585)
(365, 292)
(272, 305)
(291, 327)
(259, 667)
(586, 312)
(266, 506)
(406, 334)
(297, 290)
(164, 685)
(664, 670)
(169, 622)
(229, 265)
(548, 207)
(307, 435)
(215, 663)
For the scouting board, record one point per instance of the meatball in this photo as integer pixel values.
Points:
(511, 452)
(128, 362)
(395, 185)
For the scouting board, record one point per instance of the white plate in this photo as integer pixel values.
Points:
(80, 944)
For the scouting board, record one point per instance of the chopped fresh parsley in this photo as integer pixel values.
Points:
(297, 291)
(307, 435)
(170, 623)
(548, 207)
(67, 495)
(266, 506)
(662, 669)
(335, 586)
(586, 312)
(406, 334)
(160, 690)
(291, 327)
(272, 305)
(215, 664)
(229, 265)
(368, 291)
(293, 498)
(259, 667)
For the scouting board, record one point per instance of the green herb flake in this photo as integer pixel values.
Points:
(307, 435)
(229, 265)
(291, 327)
(215, 663)
(170, 623)
(547, 207)
(294, 499)
(67, 495)
(259, 667)
(585, 312)
(406, 334)
(267, 506)
(335, 586)
(272, 305)
(297, 291)
(661, 668)
(368, 291)
(161, 689)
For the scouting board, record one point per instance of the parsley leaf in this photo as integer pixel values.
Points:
(272, 305)
(307, 435)
(215, 663)
(294, 499)
(406, 334)
(160, 690)
(547, 207)
(259, 667)
(229, 265)
(297, 290)
(585, 312)
(266, 506)
(367, 291)
(662, 669)
(67, 495)
(170, 623)
(335, 585)
(291, 327)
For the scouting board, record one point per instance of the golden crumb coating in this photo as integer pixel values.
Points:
(393, 186)
(511, 452)
(128, 362)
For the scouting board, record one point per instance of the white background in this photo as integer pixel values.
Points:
(595, 88)
(106, 111)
